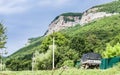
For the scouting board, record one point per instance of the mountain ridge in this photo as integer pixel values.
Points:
(66, 20)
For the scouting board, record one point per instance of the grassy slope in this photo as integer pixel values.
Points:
(108, 24)
(105, 29)
(27, 50)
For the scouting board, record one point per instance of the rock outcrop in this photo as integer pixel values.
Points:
(65, 21)
(92, 15)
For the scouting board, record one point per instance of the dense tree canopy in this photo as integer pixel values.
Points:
(62, 52)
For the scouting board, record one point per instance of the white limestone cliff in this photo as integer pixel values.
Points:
(60, 23)
(87, 17)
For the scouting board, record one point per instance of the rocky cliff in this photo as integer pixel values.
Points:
(63, 21)
(93, 14)
(71, 19)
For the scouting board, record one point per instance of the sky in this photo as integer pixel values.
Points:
(26, 19)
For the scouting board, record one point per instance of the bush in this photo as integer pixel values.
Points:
(68, 63)
(2, 67)
(112, 51)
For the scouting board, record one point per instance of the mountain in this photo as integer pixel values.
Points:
(63, 21)
(71, 19)
(87, 31)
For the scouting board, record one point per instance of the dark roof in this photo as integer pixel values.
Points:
(91, 56)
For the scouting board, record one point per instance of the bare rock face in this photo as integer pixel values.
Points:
(92, 15)
(63, 22)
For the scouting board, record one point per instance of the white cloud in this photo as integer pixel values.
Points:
(54, 3)
(18, 6)
(12, 6)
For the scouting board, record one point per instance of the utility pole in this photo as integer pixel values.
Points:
(53, 51)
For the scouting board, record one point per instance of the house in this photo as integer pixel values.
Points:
(90, 60)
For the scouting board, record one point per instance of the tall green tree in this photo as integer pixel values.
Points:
(78, 43)
(2, 42)
(60, 40)
(2, 36)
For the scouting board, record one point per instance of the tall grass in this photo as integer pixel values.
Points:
(64, 72)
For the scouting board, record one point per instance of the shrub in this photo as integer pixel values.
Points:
(112, 51)
(68, 63)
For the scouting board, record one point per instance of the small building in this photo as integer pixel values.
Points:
(90, 60)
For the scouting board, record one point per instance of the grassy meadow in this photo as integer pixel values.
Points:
(64, 72)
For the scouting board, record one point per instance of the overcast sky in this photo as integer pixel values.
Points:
(30, 18)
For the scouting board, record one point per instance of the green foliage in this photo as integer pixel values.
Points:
(69, 63)
(39, 45)
(112, 51)
(42, 60)
(95, 34)
(60, 40)
(78, 44)
(67, 19)
(117, 66)
(115, 40)
(113, 7)
(17, 64)
(71, 43)
(63, 54)
(72, 14)
(28, 49)
(84, 44)
(31, 40)
(2, 67)
(2, 36)
(67, 15)
(70, 71)
(23, 56)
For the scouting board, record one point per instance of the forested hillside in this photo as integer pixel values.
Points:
(76, 40)
(113, 7)
(70, 43)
